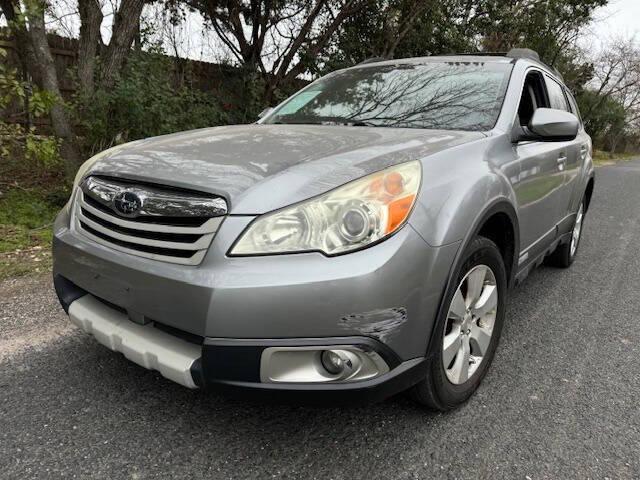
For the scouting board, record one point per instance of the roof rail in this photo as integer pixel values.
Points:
(372, 60)
(517, 53)
(523, 53)
(479, 54)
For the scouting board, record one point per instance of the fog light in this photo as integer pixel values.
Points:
(333, 362)
(310, 364)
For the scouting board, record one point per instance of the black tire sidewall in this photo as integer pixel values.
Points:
(480, 252)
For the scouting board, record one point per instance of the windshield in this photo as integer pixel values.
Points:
(435, 95)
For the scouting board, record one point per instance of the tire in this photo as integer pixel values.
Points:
(564, 254)
(445, 387)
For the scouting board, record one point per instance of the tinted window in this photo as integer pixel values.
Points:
(556, 95)
(574, 105)
(444, 95)
(533, 97)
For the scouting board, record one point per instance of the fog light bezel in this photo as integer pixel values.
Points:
(303, 364)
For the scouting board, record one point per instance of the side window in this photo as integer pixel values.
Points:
(574, 105)
(533, 97)
(556, 95)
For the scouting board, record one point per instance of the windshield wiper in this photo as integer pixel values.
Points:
(328, 121)
(362, 123)
(279, 122)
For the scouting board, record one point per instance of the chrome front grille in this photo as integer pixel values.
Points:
(161, 223)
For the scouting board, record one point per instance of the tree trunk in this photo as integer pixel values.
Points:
(49, 81)
(285, 73)
(90, 21)
(125, 27)
(407, 16)
(26, 55)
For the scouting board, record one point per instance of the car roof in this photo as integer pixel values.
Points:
(504, 58)
(470, 58)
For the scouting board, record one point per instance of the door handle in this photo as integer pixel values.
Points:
(583, 152)
(562, 161)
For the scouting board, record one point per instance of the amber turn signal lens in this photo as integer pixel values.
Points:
(398, 212)
(393, 183)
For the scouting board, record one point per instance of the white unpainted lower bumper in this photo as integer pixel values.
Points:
(142, 344)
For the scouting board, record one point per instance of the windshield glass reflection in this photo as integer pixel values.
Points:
(434, 95)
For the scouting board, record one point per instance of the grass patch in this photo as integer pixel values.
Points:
(33, 188)
(25, 262)
(26, 220)
(601, 157)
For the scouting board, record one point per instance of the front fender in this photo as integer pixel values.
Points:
(458, 188)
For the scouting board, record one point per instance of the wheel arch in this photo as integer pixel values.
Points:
(588, 192)
(498, 215)
(502, 209)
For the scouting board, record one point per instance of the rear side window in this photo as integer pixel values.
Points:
(573, 105)
(557, 99)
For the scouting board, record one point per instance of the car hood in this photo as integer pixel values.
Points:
(259, 168)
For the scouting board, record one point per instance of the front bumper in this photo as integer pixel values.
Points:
(232, 365)
(384, 297)
(390, 291)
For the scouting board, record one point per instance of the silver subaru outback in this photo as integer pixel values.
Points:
(358, 241)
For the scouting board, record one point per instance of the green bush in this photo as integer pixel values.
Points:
(43, 151)
(145, 102)
(20, 146)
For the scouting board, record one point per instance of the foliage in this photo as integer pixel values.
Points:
(41, 102)
(18, 142)
(43, 151)
(26, 216)
(11, 89)
(366, 34)
(145, 102)
(547, 26)
(275, 43)
(30, 192)
(279, 39)
(600, 157)
(423, 27)
(607, 119)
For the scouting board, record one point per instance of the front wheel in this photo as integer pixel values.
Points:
(467, 333)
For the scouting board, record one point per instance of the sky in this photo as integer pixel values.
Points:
(619, 18)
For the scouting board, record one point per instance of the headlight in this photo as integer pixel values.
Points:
(345, 219)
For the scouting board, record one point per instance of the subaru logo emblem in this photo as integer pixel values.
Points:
(127, 203)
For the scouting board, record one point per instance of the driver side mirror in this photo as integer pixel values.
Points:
(549, 125)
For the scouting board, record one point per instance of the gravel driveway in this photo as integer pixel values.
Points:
(560, 401)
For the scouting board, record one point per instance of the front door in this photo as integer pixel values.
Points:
(539, 186)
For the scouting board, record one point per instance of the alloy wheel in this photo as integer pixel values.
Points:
(469, 325)
(577, 230)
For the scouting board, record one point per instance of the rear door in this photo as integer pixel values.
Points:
(583, 142)
(569, 161)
